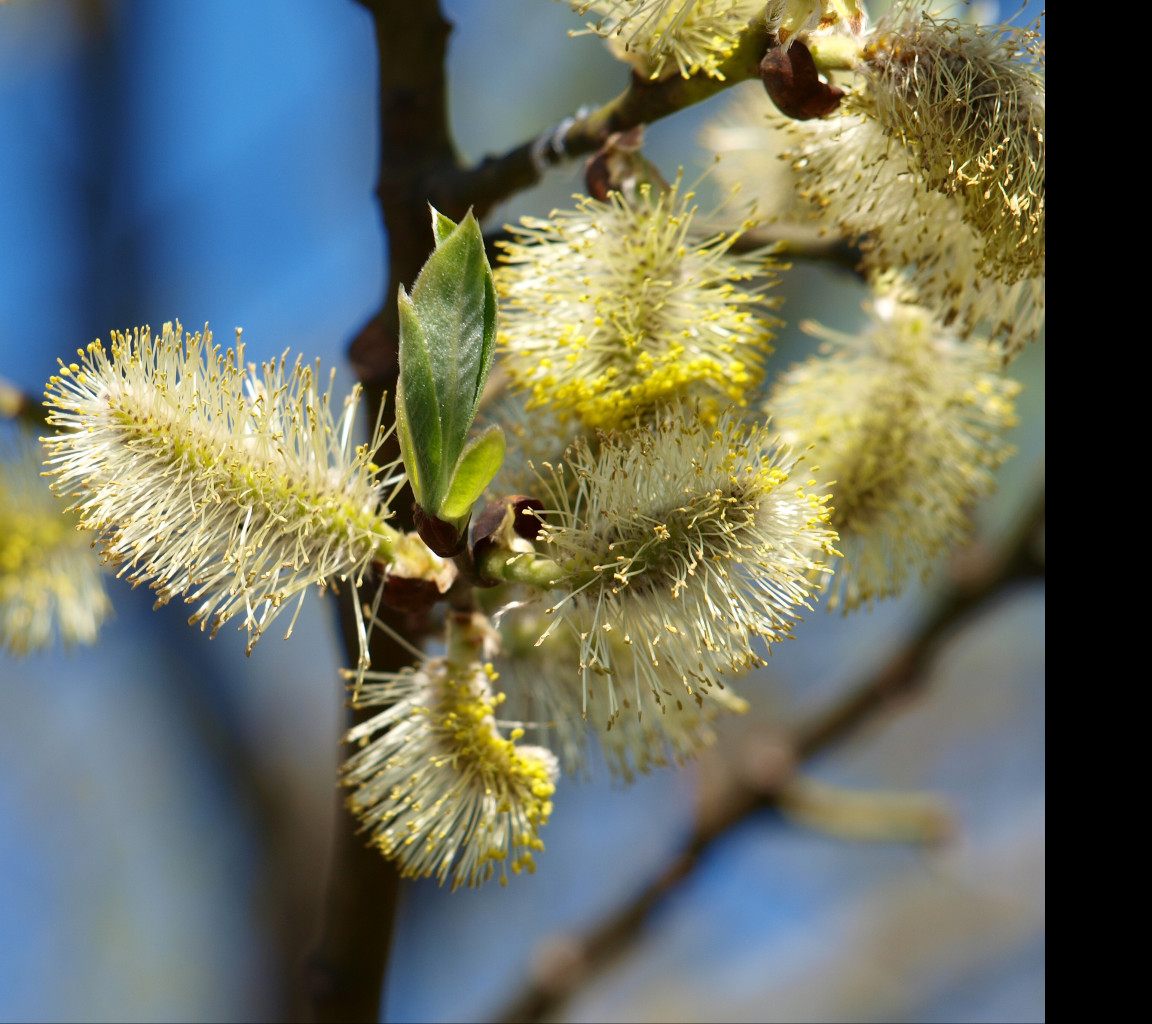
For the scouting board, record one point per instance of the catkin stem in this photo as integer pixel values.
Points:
(523, 567)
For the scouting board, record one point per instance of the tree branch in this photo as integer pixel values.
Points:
(415, 149)
(347, 969)
(574, 962)
(495, 179)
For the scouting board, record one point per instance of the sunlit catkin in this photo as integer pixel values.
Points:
(688, 549)
(665, 37)
(613, 309)
(967, 104)
(437, 785)
(936, 162)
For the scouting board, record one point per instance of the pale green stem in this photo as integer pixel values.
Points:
(524, 567)
(834, 53)
(464, 642)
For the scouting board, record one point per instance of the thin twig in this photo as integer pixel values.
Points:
(496, 179)
(576, 961)
(832, 249)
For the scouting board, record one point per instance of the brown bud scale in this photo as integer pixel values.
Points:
(442, 538)
(794, 84)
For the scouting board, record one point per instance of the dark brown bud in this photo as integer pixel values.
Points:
(527, 511)
(491, 522)
(794, 83)
(619, 166)
(441, 537)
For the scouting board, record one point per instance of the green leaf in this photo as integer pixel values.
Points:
(417, 407)
(447, 342)
(478, 464)
(442, 226)
(407, 446)
(454, 302)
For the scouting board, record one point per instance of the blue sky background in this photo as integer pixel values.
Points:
(210, 161)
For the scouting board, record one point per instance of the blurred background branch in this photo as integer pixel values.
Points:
(15, 404)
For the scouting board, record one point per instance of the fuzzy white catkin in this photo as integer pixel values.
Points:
(691, 543)
(906, 422)
(437, 785)
(235, 488)
(665, 37)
